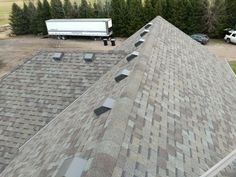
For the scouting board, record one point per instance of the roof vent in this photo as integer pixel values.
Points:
(132, 56)
(144, 32)
(140, 41)
(123, 74)
(148, 25)
(106, 106)
(58, 55)
(89, 57)
(72, 167)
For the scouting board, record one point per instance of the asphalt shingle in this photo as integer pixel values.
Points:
(174, 115)
(34, 93)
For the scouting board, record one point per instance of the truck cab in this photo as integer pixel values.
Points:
(230, 37)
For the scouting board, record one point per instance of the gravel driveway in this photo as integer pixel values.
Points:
(222, 49)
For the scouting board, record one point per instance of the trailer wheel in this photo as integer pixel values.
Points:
(63, 37)
(58, 37)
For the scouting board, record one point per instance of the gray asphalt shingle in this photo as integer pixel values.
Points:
(33, 94)
(174, 115)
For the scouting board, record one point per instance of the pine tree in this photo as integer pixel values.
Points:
(40, 17)
(149, 11)
(46, 10)
(216, 19)
(25, 20)
(98, 9)
(32, 13)
(57, 10)
(85, 10)
(158, 8)
(169, 10)
(68, 9)
(183, 15)
(119, 14)
(231, 13)
(200, 13)
(136, 18)
(16, 19)
(107, 9)
(75, 11)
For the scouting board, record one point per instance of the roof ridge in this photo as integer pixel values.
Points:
(112, 141)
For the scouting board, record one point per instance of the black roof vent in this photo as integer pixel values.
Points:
(72, 167)
(132, 56)
(89, 57)
(140, 41)
(58, 55)
(123, 74)
(144, 32)
(106, 106)
(148, 25)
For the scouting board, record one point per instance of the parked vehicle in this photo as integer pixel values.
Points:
(230, 36)
(201, 38)
(98, 27)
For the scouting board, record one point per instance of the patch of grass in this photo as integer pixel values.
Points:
(233, 65)
(217, 41)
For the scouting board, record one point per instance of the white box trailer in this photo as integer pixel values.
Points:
(95, 27)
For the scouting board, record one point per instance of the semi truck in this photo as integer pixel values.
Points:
(94, 27)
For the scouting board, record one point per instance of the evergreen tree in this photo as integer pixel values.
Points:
(16, 19)
(149, 11)
(135, 16)
(231, 13)
(57, 10)
(119, 14)
(75, 11)
(183, 15)
(98, 9)
(169, 10)
(85, 10)
(107, 9)
(200, 12)
(25, 20)
(32, 13)
(68, 9)
(46, 10)
(40, 17)
(216, 19)
(158, 8)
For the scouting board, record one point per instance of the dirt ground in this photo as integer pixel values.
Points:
(222, 49)
(16, 50)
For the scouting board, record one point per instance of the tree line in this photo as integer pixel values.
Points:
(191, 16)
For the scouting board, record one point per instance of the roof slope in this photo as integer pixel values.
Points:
(173, 116)
(33, 94)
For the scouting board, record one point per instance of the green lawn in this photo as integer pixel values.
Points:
(233, 65)
(5, 9)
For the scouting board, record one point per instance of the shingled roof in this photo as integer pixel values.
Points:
(174, 115)
(34, 93)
